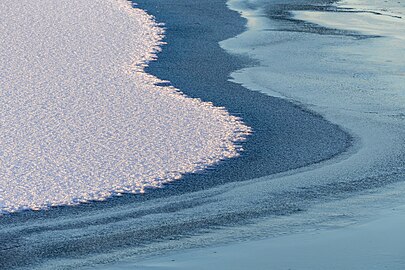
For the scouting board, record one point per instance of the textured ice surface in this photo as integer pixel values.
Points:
(80, 120)
(371, 17)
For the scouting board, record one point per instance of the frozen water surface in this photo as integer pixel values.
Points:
(79, 118)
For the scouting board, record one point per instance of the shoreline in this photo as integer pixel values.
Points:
(198, 202)
(308, 139)
(327, 134)
(362, 217)
(275, 146)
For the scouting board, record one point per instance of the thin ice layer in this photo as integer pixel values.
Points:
(80, 120)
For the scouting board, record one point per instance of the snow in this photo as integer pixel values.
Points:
(80, 120)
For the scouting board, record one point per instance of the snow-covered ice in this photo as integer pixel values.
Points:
(80, 120)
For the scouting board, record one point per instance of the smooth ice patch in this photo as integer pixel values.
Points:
(385, 18)
(79, 118)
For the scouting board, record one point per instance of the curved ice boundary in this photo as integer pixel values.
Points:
(80, 120)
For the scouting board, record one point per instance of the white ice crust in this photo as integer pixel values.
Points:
(80, 120)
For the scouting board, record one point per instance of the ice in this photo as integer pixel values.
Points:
(367, 17)
(80, 120)
(353, 79)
